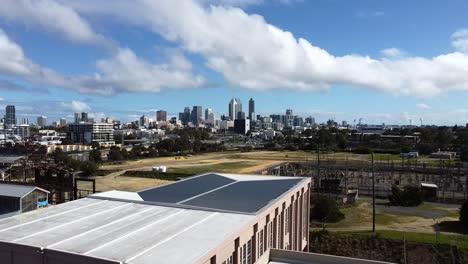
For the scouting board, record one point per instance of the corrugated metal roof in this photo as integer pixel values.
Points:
(13, 190)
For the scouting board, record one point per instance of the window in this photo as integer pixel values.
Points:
(249, 252)
(244, 254)
(305, 216)
(260, 243)
(279, 233)
(270, 235)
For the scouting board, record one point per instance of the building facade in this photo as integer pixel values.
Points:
(251, 109)
(87, 133)
(161, 115)
(42, 121)
(235, 106)
(10, 116)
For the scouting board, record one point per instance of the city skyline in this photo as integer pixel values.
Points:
(371, 61)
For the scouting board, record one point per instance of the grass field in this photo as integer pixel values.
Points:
(439, 238)
(226, 167)
(421, 219)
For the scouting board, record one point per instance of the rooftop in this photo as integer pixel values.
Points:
(18, 191)
(215, 192)
(137, 228)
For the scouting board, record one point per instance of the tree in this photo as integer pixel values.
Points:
(95, 155)
(464, 214)
(115, 154)
(88, 168)
(325, 209)
(410, 196)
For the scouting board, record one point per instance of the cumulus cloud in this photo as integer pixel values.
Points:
(392, 53)
(122, 71)
(51, 16)
(253, 54)
(423, 106)
(460, 40)
(76, 106)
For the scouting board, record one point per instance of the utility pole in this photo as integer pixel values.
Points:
(318, 170)
(373, 194)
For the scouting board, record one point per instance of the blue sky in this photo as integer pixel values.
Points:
(383, 61)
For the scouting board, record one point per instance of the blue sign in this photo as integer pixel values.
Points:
(43, 203)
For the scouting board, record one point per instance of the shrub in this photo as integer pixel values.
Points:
(410, 196)
(464, 214)
(325, 209)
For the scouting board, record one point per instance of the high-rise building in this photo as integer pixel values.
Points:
(251, 109)
(242, 126)
(77, 117)
(235, 106)
(42, 121)
(25, 121)
(144, 121)
(240, 115)
(161, 115)
(186, 116)
(84, 117)
(289, 118)
(62, 122)
(10, 116)
(298, 121)
(209, 116)
(196, 115)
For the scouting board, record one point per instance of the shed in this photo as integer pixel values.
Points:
(17, 199)
(429, 191)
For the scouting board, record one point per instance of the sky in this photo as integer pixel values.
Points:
(392, 62)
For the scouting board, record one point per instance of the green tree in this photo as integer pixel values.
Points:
(114, 154)
(95, 155)
(410, 196)
(325, 209)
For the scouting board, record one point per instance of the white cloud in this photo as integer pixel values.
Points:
(126, 72)
(460, 40)
(392, 53)
(76, 106)
(123, 71)
(2, 99)
(51, 16)
(252, 54)
(423, 106)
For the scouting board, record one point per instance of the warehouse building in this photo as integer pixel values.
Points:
(207, 219)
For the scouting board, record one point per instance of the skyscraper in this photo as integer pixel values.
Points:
(42, 121)
(209, 116)
(235, 106)
(251, 109)
(77, 118)
(10, 116)
(161, 115)
(289, 118)
(84, 117)
(196, 114)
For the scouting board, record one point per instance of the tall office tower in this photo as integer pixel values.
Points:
(144, 121)
(310, 120)
(240, 115)
(42, 121)
(209, 116)
(289, 119)
(84, 117)
(10, 116)
(196, 114)
(251, 109)
(62, 122)
(161, 115)
(77, 117)
(25, 121)
(235, 106)
(186, 115)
